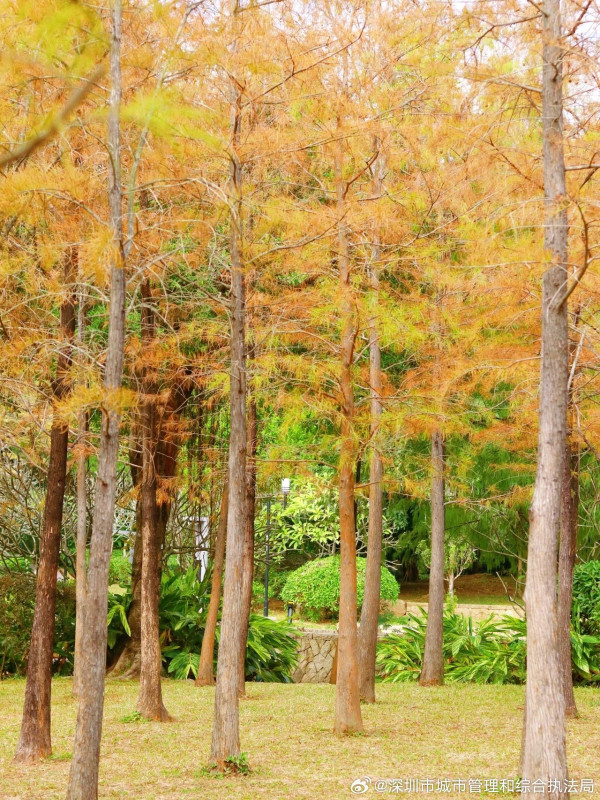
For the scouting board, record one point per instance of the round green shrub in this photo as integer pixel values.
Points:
(315, 586)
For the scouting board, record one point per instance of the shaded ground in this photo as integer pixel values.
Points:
(469, 589)
(456, 732)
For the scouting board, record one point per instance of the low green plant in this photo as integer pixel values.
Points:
(315, 586)
(586, 598)
(134, 716)
(491, 651)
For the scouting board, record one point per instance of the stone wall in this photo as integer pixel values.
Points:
(316, 651)
(317, 647)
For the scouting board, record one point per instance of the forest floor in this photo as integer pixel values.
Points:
(459, 732)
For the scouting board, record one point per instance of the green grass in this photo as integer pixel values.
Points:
(458, 732)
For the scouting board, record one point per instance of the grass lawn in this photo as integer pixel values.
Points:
(456, 732)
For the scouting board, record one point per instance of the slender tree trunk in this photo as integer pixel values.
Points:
(81, 537)
(83, 777)
(432, 673)
(369, 618)
(226, 729)
(80, 554)
(348, 718)
(150, 703)
(544, 755)
(248, 575)
(35, 740)
(205, 675)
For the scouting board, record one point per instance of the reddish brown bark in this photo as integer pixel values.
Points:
(205, 675)
(35, 739)
(150, 703)
(432, 673)
(348, 718)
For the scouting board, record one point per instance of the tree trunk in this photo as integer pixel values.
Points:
(205, 675)
(81, 537)
(150, 703)
(369, 618)
(248, 575)
(348, 718)
(226, 729)
(432, 673)
(128, 665)
(566, 564)
(83, 777)
(35, 739)
(544, 754)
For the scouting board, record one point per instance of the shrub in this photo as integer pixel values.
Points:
(586, 598)
(491, 651)
(17, 604)
(271, 654)
(315, 586)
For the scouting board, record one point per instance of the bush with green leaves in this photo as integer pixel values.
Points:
(315, 587)
(491, 651)
(271, 653)
(586, 598)
(17, 604)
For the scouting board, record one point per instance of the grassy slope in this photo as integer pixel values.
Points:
(457, 732)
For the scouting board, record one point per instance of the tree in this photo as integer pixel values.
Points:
(369, 617)
(150, 703)
(432, 673)
(544, 741)
(35, 739)
(83, 776)
(226, 734)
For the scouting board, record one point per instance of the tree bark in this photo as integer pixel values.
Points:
(369, 618)
(248, 568)
(566, 564)
(128, 665)
(83, 777)
(81, 537)
(432, 673)
(150, 703)
(226, 730)
(348, 718)
(544, 753)
(205, 675)
(35, 739)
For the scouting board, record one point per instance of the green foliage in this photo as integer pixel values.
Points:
(586, 598)
(120, 568)
(134, 716)
(17, 604)
(271, 655)
(491, 651)
(315, 586)
(459, 554)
